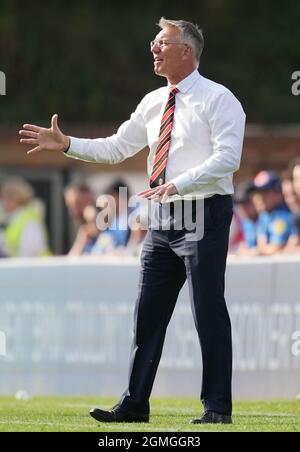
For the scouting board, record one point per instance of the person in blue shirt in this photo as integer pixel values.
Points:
(275, 224)
(248, 215)
(115, 235)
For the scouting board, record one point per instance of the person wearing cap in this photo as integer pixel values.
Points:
(248, 216)
(275, 223)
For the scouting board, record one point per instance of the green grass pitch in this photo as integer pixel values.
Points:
(71, 414)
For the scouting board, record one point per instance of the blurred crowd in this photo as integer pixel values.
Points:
(106, 225)
(266, 218)
(102, 225)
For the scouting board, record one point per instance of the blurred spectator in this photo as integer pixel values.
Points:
(275, 223)
(258, 202)
(25, 231)
(115, 233)
(87, 233)
(296, 185)
(249, 217)
(295, 166)
(77, 198)
(289, 186)
(289, 194)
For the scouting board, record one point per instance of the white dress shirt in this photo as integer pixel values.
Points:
(206, 140)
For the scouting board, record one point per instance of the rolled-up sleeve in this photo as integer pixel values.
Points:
(130, 138)
(226, 120)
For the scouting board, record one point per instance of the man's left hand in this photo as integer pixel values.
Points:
(159, 194)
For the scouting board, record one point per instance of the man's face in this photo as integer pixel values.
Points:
(289, 194)
(271, 199)
(76, 203)
(258, 202)
(248, 210)
(170, 58)
(296, 179)
(9, 204)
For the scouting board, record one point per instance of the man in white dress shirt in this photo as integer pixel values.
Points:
(194, 128)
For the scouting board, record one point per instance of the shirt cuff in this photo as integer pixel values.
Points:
(183, 184)
(66, 150)
(75, 148)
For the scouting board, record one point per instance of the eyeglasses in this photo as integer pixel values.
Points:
(163, 42)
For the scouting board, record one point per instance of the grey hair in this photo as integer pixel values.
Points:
(17, 189)
(190, 32)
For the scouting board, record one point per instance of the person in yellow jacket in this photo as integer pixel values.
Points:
(25, 234)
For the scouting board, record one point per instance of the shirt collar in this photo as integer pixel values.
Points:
(187, 82)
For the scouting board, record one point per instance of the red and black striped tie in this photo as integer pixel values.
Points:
(161, 155)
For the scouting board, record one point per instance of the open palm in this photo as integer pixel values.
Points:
(43, 139)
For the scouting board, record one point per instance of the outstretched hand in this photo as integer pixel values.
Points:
(51, 139)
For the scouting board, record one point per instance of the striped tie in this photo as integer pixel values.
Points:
(161, 155)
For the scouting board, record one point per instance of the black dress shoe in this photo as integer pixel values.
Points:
(118, 414)
(211, 417)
